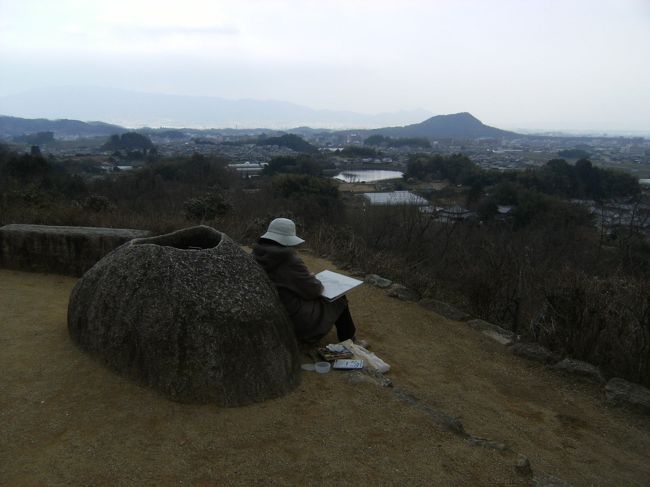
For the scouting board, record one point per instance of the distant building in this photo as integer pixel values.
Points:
(248, 169)
(454, 213)
(395, 198)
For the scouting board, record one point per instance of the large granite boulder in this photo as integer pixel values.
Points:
(189, 314)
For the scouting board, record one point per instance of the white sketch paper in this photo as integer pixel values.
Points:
(335, 284)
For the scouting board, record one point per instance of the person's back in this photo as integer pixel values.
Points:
(286, 269)
(299, 291)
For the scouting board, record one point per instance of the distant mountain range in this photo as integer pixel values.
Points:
(133, 109)
(459, 126)
(14, 126)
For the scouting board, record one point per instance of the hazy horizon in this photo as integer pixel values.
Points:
(535, 65)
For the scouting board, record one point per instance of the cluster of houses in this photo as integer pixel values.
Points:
(613, 216)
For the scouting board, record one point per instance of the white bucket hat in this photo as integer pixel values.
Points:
(283, 231)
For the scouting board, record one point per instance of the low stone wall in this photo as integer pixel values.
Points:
(62, 250)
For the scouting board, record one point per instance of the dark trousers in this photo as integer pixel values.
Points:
(345, 328)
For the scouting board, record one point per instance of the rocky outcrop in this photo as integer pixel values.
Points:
(523, 467)
(482, 325)
(189, 314)
(533, 351)
(378, 281)
(400, 291)
(495, 332)
(61, 250)
(580, 369)
(623, 393)
(444, 309)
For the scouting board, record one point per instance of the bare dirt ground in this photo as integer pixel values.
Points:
(66, 420)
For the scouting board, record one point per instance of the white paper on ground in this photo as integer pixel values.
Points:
(348, 364)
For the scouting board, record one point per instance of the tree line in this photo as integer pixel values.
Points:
(557, 177)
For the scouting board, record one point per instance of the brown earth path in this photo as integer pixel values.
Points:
(66, 420)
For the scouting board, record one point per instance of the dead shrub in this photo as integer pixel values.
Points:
(604, 321)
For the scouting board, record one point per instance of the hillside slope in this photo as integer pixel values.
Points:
(66, 420)
(456, 125)
(12, 126)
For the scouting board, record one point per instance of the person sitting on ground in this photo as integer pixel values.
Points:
(300, 291)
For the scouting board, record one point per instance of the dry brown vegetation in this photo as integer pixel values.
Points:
(66, 420)
(540, 273)
(555, 281)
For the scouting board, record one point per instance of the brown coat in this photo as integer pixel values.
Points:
(300, 292)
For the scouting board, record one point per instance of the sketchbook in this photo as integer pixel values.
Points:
(335, 352)
(336, 285)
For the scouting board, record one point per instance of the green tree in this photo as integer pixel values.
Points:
(96, 203)
(129, 141)
(308, 196)
(506, 193)
(377, 140)
(206, 207)
(298, 164)
(456, 168)
(290, 141)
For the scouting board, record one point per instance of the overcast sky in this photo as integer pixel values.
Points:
(549, 64)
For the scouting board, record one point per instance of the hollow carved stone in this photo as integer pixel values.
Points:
(189, 314)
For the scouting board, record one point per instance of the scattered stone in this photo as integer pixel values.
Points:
(498, 337)
(444, 309)
(545, 480)
(448, 422)
(378, 281)
(378, 377)
(342, 264)
(442, 419)
(623, 393)
(358, 376)
(617, 390)
(485, 443)
(483, 325)
(402, 292)
(357, 273)
(580, 369)
(189, 314)
(533, 351)
(522, 466)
